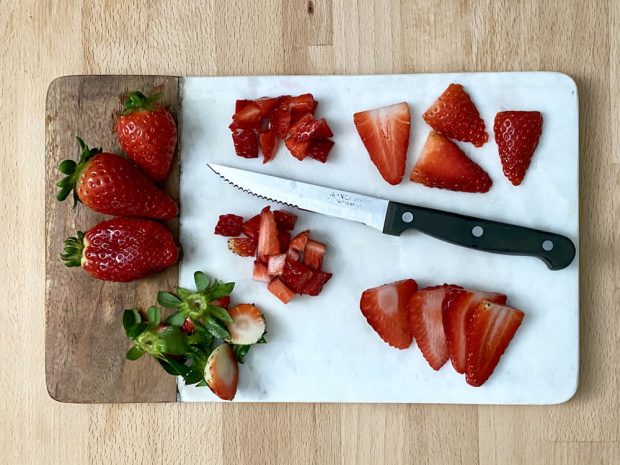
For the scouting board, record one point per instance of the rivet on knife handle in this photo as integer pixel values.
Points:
(476, 233)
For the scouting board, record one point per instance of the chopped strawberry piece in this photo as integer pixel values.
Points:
(248, 117)
(296, 275)
(275, 265)
(284, 219)
(242, 246)
(229, 225)
(251, 227)
(293, 254)
(385, 309)
(456, 310)
(266, 105)
(298, 149)
(303, 104)
(284, 238)
(298, 243)
(246, 143)
(455, 116)
(268, 243)
(319, 149)
(223, 302)
(279, 289)
(310, 128)
(313, 254)
(489, 332)
(268, 144)
(385, 134)
(443, 164)
(222, 372)
(260, 272)
(240, 104)
(280, 117)
(188, 326)
(315, 284)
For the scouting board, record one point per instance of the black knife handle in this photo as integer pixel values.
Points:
(476, 233)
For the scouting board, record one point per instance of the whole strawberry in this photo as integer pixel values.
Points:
(122, 249)
(110, 184)
(148, 134)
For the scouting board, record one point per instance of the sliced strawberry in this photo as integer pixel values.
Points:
(279, 289)
(303, 104)
(385, 309)
(248, 325)
(517, 134)
(385, 134)
(315, 284)
(250, 227)
(280, 117)
(427, 326)
(457, 307)
(313, 254)
(266, 105)
(275, 265)
(268, 243)
(284, 219)
(319, 149)
(188, 326)
(489, 331)
(222, 302)
(455, 116)
(248, 117)
(242, 246)
(260, 272)
(229, 225)
(298, 149)
(246, 143)
(284, 238)
(310, 128)
(298, 243)
(240, 104)
(222, 372)
(296, 275)
(443, 164)
(268, 144)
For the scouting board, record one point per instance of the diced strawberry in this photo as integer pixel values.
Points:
(279, 289)
(385, 134)
(456, 310)
(303, 104)
(222, 302)
(489, 331)
(267, 104)
(240, 104)
(260, 272)
(298, 149)
(284, 238)
(443, 164)
(319, 149)
(188, 326)
(248, 324)
(293, 254)
(268, 243)
(251, 227)
(284, 219)
(242, 246)
(296, 275)
(268, 144)
(427, 326)
(280, 117)
(455, 116)
(229, 225)
(309, 128)
(313, 254)
(315, 284)
(275, 266)
(385, 309)
(248, 117)
(246, 143)
(298, 243)
(222, 372)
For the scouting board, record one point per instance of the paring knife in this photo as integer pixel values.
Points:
(393, 217)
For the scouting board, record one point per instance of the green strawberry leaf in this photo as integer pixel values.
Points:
(174, 341)
(131, 318)
(168, 300)
(220, 289)
(177, 366)
(137, 330)
(183, 293)
(134, 353)
(216, 328)
(193, 377)
(240, 352)
(176, 319)
(202, 383)
(220, 313)
(201, 280)
(153, 316)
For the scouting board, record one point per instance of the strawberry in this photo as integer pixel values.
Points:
(240, 104)
(385, 309)
(284, 239)
(279, 289)
(147, 133)
(229, 225)
(310, 128)
(242, 246)
(296, 275)
(489, 331)
(298, 243)
(248, 325)
(385, 134)
(280, 117)
(266, 105)
(222, 372)
(455, 116)
(313, 254)
(275, 265)
(315, 284)
(303, 104)
(260, 272)
(517, 134)
(457, 307)
(245, 141)
(427, 326)
(319, 149)
(442, 164)
(110, 184)
(284, 219)
(299, 149)
(268, 144)
(188, 326)
(250, 227)
(268, 243)
(122, 249)
(222, 302)
(248, 117)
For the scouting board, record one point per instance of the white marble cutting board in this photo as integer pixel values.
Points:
(320, 348)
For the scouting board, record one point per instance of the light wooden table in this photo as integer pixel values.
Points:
(44, 39)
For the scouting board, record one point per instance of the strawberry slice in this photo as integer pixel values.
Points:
(229, 225)
(489, 331)
(315, 284)
(268, 243)
(299, 149)
(313, 254)
(284, 219)
(268, 144)
(266, 105)
(298, 243)
(427, 326)
(241, 104)
(455, 116)
(296, 275)
(275, 265)
(303, 104)
(310, 128)
(284, 238)
(385, 134)
(319, 149)
(457, 308)
(246, 144)
(249, 116)
(280, 117)
(443, 165)
(385, 309)
(222, 372)
(242, 246)
(517, 134)
(248, 325)
(260, 272)
(250, 227)
(279, 289)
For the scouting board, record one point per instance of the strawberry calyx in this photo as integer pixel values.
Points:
(137, 101)
(74, 250)
(72, 170)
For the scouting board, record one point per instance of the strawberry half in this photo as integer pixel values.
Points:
(427, 326)
(229, 225)
(489, 331)
(443, 164)
(280, 290)
(517, 134)
(457, 308)
(248, 325)
(455, 116)
(268, 243)
(385, 134)
(385, 309)
(242, 246)
(222, 372)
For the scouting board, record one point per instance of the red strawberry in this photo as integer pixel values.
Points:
(248, 325)
(385, 309)
(268, 243)
(442, 164)
(313, 254)
(229, 225)
(279, 289)
(310, 128)
(251, 227)
(260, 272)
(315, 284)
(223, 302)
(455, 116)
(489, 331)
(240, 104)
(385, 134)
(122, 249)
(275, 265)
(303, 104)
(319, 149)
(299, 149)
(110, 184)
(266, 105)
(427, 326)
(284, 219)
(517, 134)
(296, 275)
(147, 133)
(188, 326)
(242, 246)
(268, 144)
(245, 141)
(284, 239)
(458, 305)
(248, 117)
(298, 243)
(222, 372)
(280, 117)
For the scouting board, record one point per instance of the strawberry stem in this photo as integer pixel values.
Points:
(72, 170)
(137, 101)
(74, 250)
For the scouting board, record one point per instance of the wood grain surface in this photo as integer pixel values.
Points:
(48, 38)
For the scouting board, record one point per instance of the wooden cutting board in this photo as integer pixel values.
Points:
(84, 339)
